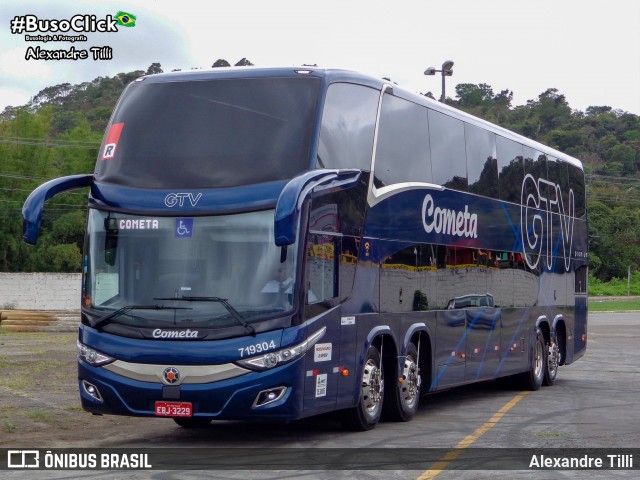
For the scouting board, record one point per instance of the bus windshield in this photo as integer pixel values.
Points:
(209, 133)
(184, 267)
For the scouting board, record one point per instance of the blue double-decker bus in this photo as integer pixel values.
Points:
(281, 243)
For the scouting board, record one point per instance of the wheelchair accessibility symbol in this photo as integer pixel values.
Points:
(184, 227)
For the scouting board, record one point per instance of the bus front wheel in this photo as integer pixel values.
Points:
(366, 414)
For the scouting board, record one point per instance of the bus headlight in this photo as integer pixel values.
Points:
(286, 355)
(92, 356)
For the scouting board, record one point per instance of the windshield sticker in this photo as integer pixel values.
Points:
(111, 142)
(184, 227)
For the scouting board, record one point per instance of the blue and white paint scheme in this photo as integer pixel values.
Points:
(280, 243)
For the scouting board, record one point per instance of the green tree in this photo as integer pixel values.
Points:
(153, 69)
(221, 62)
(244, 63)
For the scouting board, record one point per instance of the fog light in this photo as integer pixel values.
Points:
(91, 390)
(265, 397)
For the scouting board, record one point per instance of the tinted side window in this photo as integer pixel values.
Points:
(348, 121)
(557, 174)
(322, 268)
(482, 164)
(449, 163)
(399, 281)
(402, 151)
(535, 163)
(510, 169)
(576, 183)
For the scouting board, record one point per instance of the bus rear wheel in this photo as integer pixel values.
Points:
(401, 403)
(553, 361)
(366, 414)
(532, 379)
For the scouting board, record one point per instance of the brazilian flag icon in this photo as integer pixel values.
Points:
(125, 19)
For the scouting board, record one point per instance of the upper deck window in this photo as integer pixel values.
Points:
(482, 164)
(348, 122)
(402, 153)
(210, 133)
(448, 155)
(510, 169)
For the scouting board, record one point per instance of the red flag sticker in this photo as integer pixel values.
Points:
(111, 142)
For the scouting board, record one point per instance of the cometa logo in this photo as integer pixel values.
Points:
(158, 333)
(448, 221)
(171, 375)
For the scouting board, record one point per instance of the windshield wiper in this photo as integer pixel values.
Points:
(105, 318)
(234, 313)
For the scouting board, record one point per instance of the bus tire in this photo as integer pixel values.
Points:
(192, 422)
(366, 414)
(401, 402)
(552, 354)
(532, 379)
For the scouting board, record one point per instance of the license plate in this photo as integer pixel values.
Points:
(174, 409)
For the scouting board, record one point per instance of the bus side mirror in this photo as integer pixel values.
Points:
(34, 204)
(298, 190)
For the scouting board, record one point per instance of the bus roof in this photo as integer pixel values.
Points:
(338, 75)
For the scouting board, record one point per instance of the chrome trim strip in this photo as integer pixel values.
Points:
(189, 374)
(376, 195)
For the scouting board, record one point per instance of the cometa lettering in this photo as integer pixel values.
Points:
(158, 333)
(142, 224)
(448, 221)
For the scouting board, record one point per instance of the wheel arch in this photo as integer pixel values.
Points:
(382, 338)
(543, 324)
(420, 335)
(560, 329)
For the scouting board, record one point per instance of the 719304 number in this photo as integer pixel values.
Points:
(256, 348)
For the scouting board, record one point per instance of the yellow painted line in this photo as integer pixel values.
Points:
(437, 468)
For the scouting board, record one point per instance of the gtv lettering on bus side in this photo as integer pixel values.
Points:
(540, 200)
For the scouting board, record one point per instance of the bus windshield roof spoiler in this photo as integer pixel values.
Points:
(298, 190)
(34, 204)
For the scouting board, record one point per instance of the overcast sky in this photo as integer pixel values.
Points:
(587, 49)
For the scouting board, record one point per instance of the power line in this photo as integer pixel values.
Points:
(594, 176)
(48, 142)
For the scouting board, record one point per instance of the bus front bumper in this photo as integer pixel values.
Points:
(267, 395)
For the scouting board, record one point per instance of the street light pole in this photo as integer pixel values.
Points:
(446, 72)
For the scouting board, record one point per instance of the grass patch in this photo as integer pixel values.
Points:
(48, 417)
(38, 415)
(615, 286)
(9, 427)
(613, 305)
(74, 408)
